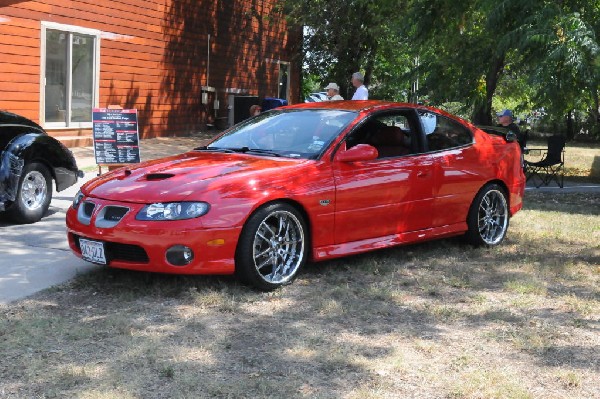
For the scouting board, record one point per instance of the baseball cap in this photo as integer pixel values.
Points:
(333, 86)
(506, 112)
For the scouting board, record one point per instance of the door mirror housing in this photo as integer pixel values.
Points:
(360, 152)
(511, 137)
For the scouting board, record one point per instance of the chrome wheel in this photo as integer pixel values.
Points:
(492, 217)
(33, 194)
(34, 191)
(278, 247)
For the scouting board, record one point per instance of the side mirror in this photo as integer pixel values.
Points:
(510, 137)
(360, 152)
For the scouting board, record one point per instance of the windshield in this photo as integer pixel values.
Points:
(289, 133)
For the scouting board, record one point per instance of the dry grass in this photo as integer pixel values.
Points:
(436, 320)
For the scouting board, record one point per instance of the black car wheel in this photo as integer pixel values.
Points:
(272, 247)
(488, 217)
(33, 195)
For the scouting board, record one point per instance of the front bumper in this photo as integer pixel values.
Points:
(142, 245)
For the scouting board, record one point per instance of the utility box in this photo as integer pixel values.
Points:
(239, 107)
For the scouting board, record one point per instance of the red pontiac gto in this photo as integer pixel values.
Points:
(304, 182)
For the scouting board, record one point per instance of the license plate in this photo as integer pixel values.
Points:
(92, 251)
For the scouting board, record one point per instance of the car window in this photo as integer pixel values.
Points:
(392, 134)
(443, 133)
(291, 133)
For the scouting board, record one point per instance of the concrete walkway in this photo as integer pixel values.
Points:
(149, 149)
(568, 187)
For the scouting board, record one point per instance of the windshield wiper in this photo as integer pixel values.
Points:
(261, 151)
(240, 149)
(215, 149)
(255, 150)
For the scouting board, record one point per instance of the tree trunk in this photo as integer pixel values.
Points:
(570, 126)
(482, 114)
(370, 64)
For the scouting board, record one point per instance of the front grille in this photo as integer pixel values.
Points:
(110, 216)
(115, 213)
(119, 252)
(88, 208)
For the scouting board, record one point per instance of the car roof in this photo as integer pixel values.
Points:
(348, 105)
(370, 106)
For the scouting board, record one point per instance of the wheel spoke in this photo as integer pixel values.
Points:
(265, 226)
(263, 253)
(263, 264)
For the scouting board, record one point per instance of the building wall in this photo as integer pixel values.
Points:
(154, 55)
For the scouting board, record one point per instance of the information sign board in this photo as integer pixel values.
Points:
(116, 136)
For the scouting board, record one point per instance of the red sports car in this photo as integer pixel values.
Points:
(305, 182)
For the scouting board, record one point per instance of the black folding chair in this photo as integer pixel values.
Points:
(551, 166)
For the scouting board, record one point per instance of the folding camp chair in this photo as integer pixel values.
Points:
(551, 166)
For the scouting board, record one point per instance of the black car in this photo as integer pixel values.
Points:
(30, 161)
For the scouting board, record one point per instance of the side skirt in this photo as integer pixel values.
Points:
(356, 247)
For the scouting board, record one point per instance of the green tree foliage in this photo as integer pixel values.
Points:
(482, 54)
(343, 37)
(565, 48)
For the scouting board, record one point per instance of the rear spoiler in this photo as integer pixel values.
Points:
(508, 135)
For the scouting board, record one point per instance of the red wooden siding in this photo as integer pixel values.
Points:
(153, 55)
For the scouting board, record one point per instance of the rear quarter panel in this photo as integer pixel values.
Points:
(508, 169)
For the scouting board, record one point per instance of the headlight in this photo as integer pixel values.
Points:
(77, 199)
(173, 211)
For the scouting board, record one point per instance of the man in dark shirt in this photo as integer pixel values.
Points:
(505, 118)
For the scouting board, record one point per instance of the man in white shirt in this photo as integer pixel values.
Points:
(333, 92)
(361, 92)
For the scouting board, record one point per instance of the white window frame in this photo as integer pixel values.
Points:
(96, 77)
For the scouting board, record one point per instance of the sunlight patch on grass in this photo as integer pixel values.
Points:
(424, 346)
(330, 307)
(569, 379)
(443, 313)
(526, 287)
(108, 394)
(582, 306)
(535, 337)
(224, 302)
(488, 384)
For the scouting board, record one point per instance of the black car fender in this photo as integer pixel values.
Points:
(41, 148)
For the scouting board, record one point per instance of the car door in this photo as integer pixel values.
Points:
(388, 195)
(456, 163)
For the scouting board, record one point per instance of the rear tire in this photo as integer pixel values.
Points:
(272, 248)
(488, 217)
(33, 195)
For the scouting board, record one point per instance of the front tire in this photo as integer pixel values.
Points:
(488, 217)
(33, 195)
(272, 248)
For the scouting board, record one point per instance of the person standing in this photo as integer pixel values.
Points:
(506, 119)
(361, 93)
(333, 91)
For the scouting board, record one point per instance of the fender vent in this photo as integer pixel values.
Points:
(159, 176)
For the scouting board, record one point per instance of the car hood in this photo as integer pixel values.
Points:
(186, 176)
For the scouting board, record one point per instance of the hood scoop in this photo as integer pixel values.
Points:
(158, 176)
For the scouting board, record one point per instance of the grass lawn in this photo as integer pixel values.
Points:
(435, 320)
